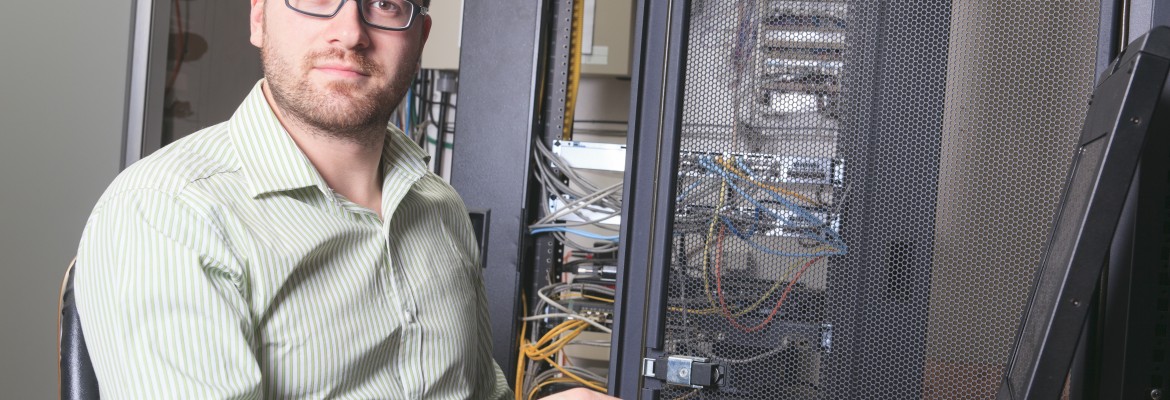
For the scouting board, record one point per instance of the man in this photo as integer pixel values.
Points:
(300, 249)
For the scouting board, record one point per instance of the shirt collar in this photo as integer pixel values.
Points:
(274, 163)
(272, 160)
(403, 163)
(401, 153)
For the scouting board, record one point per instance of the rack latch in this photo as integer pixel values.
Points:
(696, 372)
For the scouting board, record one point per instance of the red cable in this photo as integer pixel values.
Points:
(718, 273)
(723, 304)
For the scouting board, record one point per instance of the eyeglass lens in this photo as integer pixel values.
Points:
(392, 14)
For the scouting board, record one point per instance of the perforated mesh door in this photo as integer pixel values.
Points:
(864, 189)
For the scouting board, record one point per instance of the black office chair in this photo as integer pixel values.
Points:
(78, 381)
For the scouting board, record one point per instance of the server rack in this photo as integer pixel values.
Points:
(926, 138)
(498, 116)
(515, 75)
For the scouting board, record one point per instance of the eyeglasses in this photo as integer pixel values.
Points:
(391, 15)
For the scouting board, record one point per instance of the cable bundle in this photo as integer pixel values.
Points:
(534, 349)
(772, 207)
(776, 208)
(602, 203)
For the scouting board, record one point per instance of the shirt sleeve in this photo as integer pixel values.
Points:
(162, 303)
(499, 389)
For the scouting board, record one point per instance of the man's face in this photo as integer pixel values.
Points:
(337, 75)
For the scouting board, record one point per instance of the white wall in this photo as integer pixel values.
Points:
(62, 102)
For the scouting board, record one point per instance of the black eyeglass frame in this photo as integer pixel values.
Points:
(419, 10)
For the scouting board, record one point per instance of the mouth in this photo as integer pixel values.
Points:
(342, 70)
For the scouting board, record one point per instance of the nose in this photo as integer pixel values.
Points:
(346, 29)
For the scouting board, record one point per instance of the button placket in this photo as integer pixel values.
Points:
(401, 299)
(392, 299)
(399, 181)
(411, 340)
(405, 297)
(404, 301)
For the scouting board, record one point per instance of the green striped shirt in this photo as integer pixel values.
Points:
(223, 266)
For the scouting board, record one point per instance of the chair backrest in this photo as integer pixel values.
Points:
(78, 381)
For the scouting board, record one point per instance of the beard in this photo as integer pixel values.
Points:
(341, 110)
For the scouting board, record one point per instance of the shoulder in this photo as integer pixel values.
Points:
(168, 189)
(442, 199)
(172, 170)
(157, 200)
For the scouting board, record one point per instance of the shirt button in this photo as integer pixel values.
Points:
(409, 315)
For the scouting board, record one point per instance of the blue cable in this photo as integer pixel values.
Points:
(688, 189)
(801, 211)
(587, 234)
(793, 206)
(766, 250)
(836, 240)
(734, 230)
(784, 222)
(409, 101)
(729, 178)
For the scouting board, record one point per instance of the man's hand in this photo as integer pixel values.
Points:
(579, 394)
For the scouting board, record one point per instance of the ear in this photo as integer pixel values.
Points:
(426, 32)
(256, 22)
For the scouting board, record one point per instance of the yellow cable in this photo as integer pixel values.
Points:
(590, 384)
(551, 381)
(727, 163)
(552, 349)
(520, 361)
(582, 295)
(557, 330)
(704, 311)
(548, 337)
(601, 299)
(792, 267)
(711, 234)
(523, 343)
(537, 352)
(529, 350)
(574, 67)
(707, 245)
